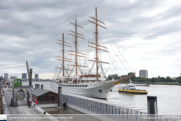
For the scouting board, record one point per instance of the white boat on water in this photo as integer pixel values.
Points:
(90, 85)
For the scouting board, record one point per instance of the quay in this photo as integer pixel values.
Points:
(22, 109)
(97, 108)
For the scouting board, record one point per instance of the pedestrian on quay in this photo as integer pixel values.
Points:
(36, 102)
(29, 104)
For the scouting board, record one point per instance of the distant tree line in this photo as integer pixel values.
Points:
(115, 76)
(146, 80)
(179, 79)
(157, 79)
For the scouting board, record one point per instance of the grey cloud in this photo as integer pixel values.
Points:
(38, 24)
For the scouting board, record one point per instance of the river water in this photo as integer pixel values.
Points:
(168, 97)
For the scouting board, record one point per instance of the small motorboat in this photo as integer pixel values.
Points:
(130, 88)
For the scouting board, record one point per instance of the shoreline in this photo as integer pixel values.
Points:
(166, 84)
(179, 84)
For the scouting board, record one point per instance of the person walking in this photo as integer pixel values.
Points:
(36, 102)
(29, 104)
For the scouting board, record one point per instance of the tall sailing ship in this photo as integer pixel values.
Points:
(90, 85)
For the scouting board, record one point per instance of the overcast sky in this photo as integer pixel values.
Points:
(146, 32)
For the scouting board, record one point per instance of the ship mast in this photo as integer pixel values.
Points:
(76, 53)
(63, 59)
(63, 53)
(97, 46)
(76, 44)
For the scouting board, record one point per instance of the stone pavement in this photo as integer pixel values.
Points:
(21, 109)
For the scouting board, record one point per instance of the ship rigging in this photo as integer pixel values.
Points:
(91, 85)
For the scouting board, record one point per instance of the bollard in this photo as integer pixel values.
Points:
(38, 86)
(59, 96)
(35, 86)
(41, 86)
(152, 108)
(152, 105)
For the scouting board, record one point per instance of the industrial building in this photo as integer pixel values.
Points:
(24, 76)
(143, 73)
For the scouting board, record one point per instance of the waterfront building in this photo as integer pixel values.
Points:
(33, 79)
(24, 76)
(36, 77)
(1, 80)
(13, 78)
(143, 73)
(5, 76)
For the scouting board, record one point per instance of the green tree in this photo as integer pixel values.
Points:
(162, 79)
(152, 80)
(148, 80)
(178, 78)
(122, 76)
(158, 79)
(115, 76)
(132, 78)
(168, 79)
(138, 78)
(109, 77)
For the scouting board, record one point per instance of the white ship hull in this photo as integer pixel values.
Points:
(95, 90)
